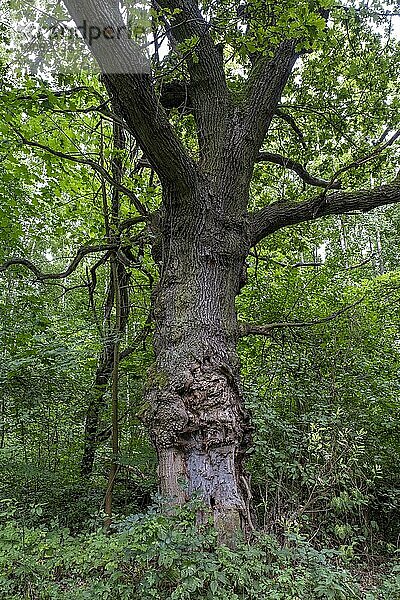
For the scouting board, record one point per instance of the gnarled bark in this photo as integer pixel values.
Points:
(196, 417)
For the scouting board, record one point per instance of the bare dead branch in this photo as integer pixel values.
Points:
(301, 171)
(140, 337)
(246, 329)
(40, 276)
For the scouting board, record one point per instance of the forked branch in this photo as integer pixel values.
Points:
(208, 87)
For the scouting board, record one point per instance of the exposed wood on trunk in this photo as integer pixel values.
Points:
(197, 418)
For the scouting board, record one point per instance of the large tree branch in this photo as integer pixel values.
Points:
(301, 171)
(266, 82)
(246, 329)
(279, 215)
(40, 276)
(205, 63)
(208, 88)
(265, 85)
(126, 74)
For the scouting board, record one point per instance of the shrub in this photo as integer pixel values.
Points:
(161, 556)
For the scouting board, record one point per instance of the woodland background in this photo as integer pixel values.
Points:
(324, 397)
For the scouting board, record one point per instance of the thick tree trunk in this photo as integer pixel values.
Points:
(197, 419)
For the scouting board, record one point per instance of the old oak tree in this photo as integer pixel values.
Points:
(232, 65)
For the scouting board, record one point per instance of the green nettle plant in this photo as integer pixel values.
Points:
(157, 556)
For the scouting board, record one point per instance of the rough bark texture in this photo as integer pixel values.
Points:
(279, 215)
(197, 418)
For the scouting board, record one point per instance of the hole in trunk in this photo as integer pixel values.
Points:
(212, 502)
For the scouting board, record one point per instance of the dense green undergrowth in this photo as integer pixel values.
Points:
(157, 556)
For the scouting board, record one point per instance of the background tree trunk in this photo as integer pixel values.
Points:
(98, 401)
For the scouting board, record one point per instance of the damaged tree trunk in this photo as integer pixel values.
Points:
(197, 419)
